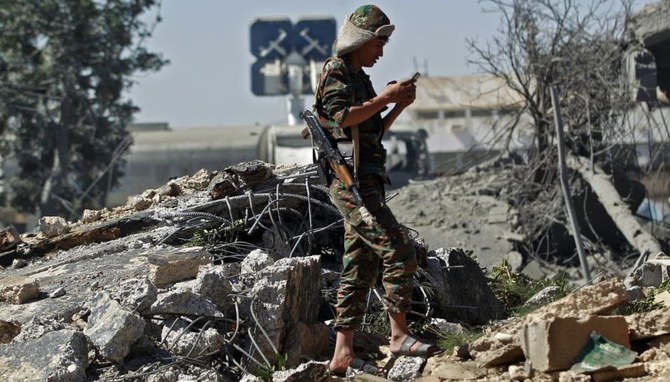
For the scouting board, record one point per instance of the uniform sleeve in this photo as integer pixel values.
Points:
(337, 95)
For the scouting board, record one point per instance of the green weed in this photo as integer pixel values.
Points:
(646, 303)
(513, 289)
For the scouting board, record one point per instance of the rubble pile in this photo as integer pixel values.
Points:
(231, 275)
(215, 275)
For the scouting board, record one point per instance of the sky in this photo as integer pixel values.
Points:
(208, 43)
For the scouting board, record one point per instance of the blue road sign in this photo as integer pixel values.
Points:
(271, 38)
(268, 78)
(313, 38)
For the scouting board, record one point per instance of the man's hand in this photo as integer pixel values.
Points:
(400, 92)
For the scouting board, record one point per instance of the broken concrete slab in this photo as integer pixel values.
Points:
(168, 266)
(39, 326)
(451, 268)
(551, 344)
(20, 293)
(111, 328)
(60, 356)
(136, 295)
(181, 339)
(305, 342)
(450, 370)
(215, 283)
(406, 369)
(183, 302)
(649, 324)
(601, 298)
(284, 294)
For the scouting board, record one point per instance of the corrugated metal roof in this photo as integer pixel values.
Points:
(458, 93)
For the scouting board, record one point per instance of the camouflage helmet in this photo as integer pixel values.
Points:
(367, 22)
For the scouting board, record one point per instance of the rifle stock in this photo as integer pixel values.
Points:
(327, 148)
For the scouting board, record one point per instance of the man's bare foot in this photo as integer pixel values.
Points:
(339, 364)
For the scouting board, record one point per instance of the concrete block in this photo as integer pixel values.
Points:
(59, 356)
(112, 329)
(555, 343)
(649, 324)
(177, 264)
(184, 302)
(19, 293)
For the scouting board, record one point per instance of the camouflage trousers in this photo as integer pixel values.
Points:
(367, 248)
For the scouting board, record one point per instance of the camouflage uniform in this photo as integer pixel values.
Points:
(365, 245)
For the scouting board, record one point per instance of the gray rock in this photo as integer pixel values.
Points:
(179, 340)
(310, 371)
(59, 356)
(214, 282)
(284, 295)
(255, 261)
(135, 295)
(183, 302)
(112, 329)
(51, 226)
(406, 369)
(461, 287)
(544, 296)
(38, 327)
(58, 292)
(443, 326)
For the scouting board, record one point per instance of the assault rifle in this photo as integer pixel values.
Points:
(330, 156)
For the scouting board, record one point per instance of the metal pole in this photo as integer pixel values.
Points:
(562, 168)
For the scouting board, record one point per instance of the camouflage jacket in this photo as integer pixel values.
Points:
(339, 89)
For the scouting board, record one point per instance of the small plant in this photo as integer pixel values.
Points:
(216, 235)
(266, 373)
(450, 341)
(513, 289)
(646, 303)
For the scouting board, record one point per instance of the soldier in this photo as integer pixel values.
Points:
(349, 108)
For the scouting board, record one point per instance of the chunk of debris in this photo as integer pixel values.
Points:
(52, 226)
(58, 356)
(8, 330)
(9, 238)
(554, 343)
(111, 328)
(183, 302)
(600, 298)
(90, 216)
(649, 324)
(20, 293)
(450, 269)
(167, 266)
(136, 295)
(651, 273)
(182, 339)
